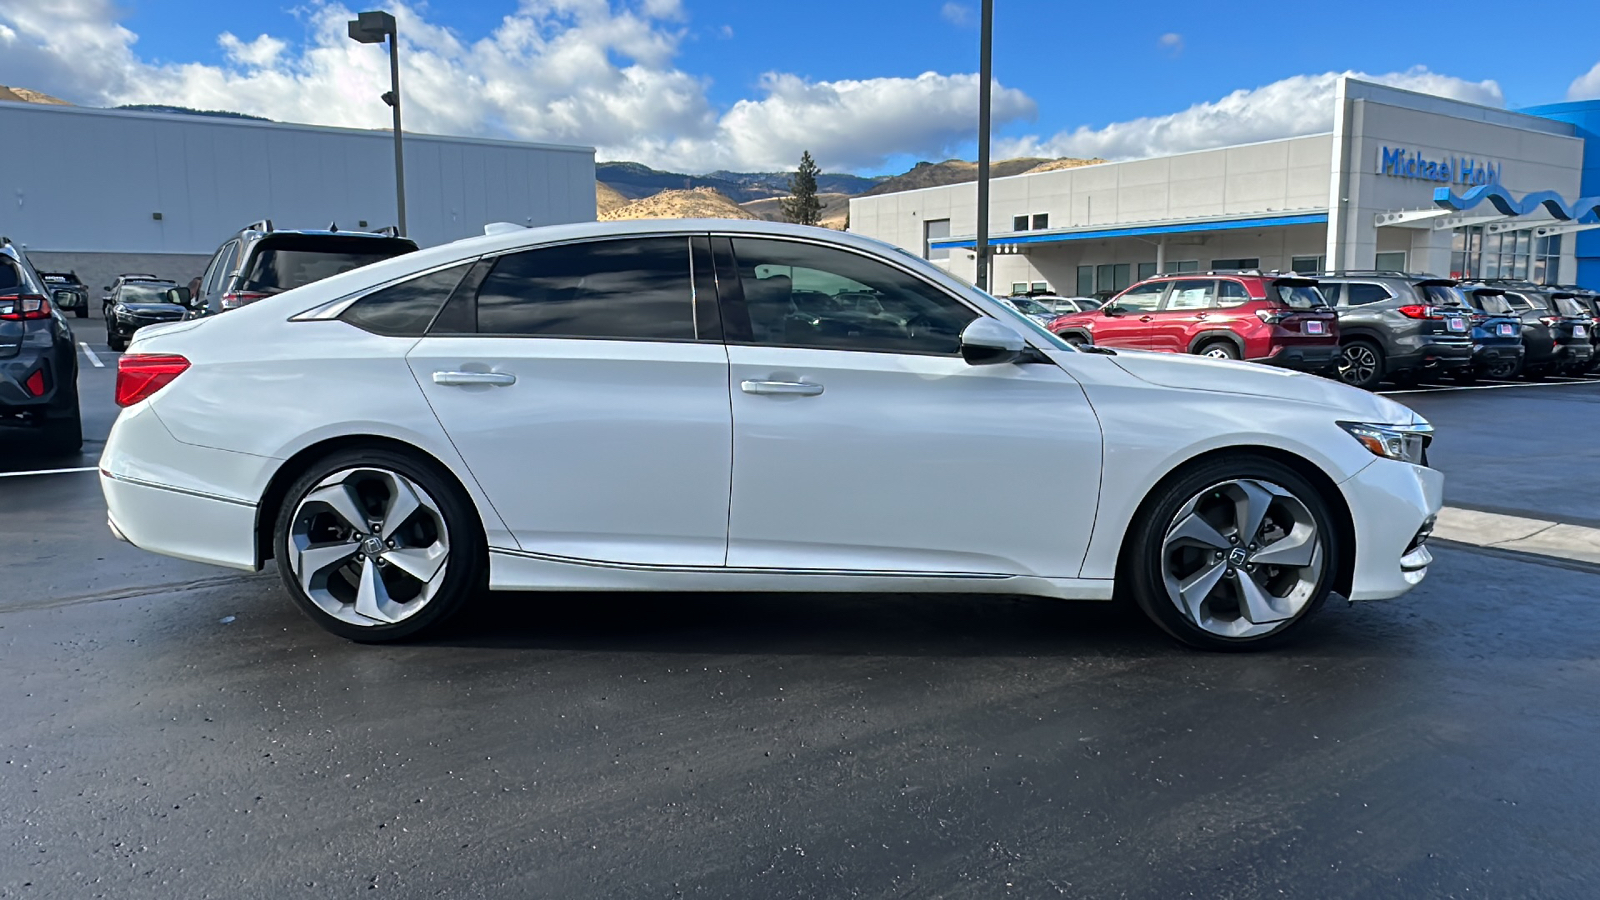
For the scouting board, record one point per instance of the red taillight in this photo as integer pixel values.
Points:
(236, 299)
(1551, 321)
(27, 306)
(1272, 316)
(35, 383)
(1420, 312)
(140, 375)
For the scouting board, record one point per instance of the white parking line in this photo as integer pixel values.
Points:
(49, 471)
(95, 360)
(1488, 387)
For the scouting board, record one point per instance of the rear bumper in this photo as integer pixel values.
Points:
(1487, 354)
(188, 525)
(1390, 503)
(1429, 355)
(1312, 358)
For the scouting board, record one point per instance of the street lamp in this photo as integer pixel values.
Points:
(374, 28)
(985, 75)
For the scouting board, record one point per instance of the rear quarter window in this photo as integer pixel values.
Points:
(405, 309)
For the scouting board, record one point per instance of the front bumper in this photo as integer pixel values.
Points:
(1390, 503)
(1313, 358)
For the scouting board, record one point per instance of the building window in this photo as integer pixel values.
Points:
(1308, 265)
(1110, 279)
(1085, 281)
(932, 230)
(1547, 259)
(1147, 270)
(1243, 262)
(1019, 223)
(1182, 266)
(1041, 221)
(1392, 261)
(1040, 287)
(1019, 287)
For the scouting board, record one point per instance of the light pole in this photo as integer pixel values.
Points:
(374, 28)
(985, 75)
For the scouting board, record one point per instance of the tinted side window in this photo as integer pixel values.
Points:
(1141, 296)
(1233, 293)
(224, 267)
(805, 295)
(636, 289)
(1360, 294)
(10, 281)
(405, 309)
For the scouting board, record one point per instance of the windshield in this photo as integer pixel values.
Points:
(1300, 296)
(287, 265)
(1031, 306)
(1494, 304)
(1444, 295)
(133, 292)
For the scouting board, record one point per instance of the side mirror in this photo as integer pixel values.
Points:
(988, 342)
(1111, 311)
(64, 299)
(178, 295)
(106, 288)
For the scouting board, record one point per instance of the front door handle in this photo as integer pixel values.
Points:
(798, 388)
(1144, 318)
(459, 378)
(1202, 315)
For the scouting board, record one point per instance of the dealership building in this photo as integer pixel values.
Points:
(1404, 181)
(104, 191)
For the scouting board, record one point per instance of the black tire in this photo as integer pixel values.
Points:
(465, 574)
(1076, 340)
(1218, 350)
(1466, 375)
(1360, 371)
(1140, 577)
(117, 344)
(82, 312)
(1503, 370)
(63, 432)
(1535, 373)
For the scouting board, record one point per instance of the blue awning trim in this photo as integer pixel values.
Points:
(1586, 210)
(1320, 218)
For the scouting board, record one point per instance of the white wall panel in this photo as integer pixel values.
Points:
(88, 181)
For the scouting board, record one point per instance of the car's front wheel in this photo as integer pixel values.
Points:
(376, 545)
(1233, 554)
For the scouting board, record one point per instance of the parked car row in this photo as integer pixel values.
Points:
(38, 359)
(1362, 327)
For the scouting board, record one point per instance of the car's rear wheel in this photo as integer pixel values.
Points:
(117, 344)
(1361, 364)
(1233, 554)
(376, 545)
(1218, 350)
(1502, 369)
(63, 429)
(81, 312)
(1076, 340)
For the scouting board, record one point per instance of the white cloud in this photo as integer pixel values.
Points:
(597, 72)
(1585, 86)
(1172, 42)
(956, 13)
(725, 32)
(1299, 105)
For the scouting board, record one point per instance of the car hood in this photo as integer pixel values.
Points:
(1197, 373)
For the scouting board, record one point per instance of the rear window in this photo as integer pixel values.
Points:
(1569, 306)
(1494, 304)
(1300, 296)
(10, 281)
(288, 263)
(1527, 301)
(1443, 295)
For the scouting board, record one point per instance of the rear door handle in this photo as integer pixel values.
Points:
(459, 378)
(798, 388)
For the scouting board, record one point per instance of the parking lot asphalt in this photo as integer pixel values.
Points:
(177, 730)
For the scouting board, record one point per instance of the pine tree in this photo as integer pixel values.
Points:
(802, 206)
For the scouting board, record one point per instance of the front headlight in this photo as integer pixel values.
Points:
(1406, 443)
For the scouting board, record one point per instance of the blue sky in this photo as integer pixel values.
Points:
(1069, 65)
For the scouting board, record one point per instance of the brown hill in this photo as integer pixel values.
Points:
(834, 209)
(959, 171)
(608, 198)
(696, 203)
(23, 95)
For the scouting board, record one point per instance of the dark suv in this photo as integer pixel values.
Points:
(1497, 342)
(1271, 318)
(1556, 327)
(1398, 326)
(260, 261)
(38, 360)
(139, 301)
(1591, 302)
(73, 293)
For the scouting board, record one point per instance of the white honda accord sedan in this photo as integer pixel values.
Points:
(743, 406)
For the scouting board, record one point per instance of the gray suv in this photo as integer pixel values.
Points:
(38, 359)
(1398, 326)
(261, 261)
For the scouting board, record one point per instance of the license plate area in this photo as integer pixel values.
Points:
(1579, 331)
(1315, 327)
(1505, 330)
(1455, 324)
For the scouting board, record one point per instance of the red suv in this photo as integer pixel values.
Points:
(1279, 320)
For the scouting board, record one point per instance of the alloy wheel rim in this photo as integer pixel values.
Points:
(1218, 353)
(369, 546)
(1357, 364)
(1242, 558)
